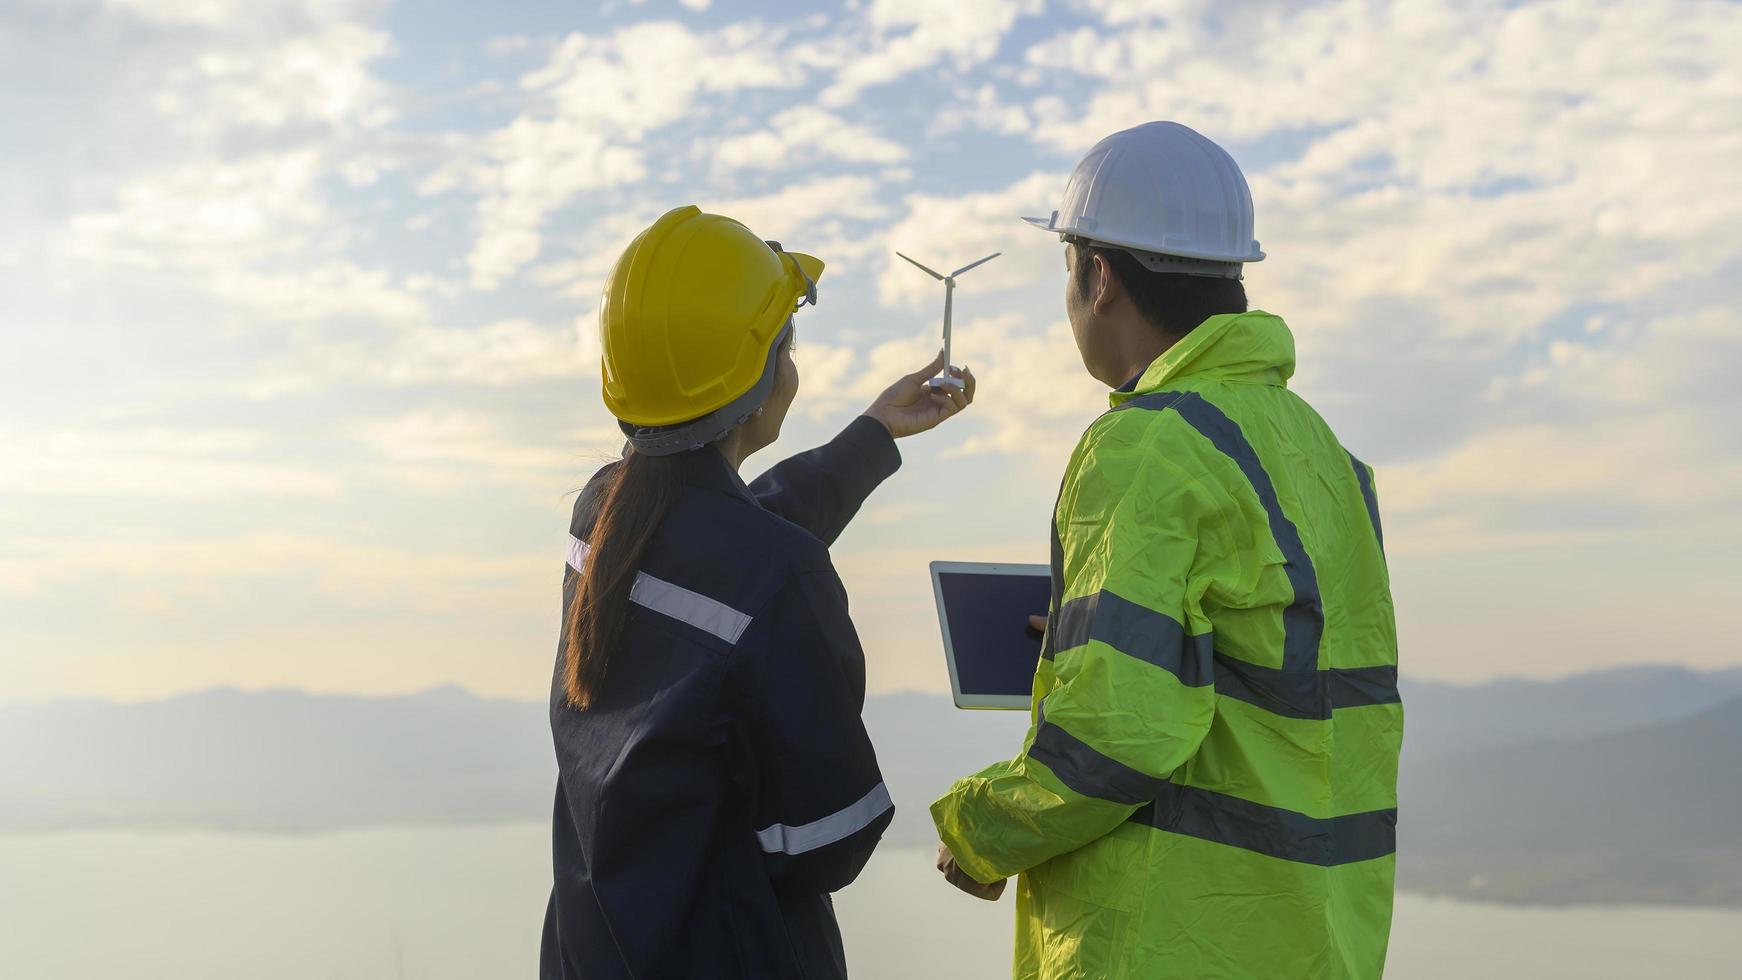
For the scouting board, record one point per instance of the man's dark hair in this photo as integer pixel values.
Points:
(1172, 301)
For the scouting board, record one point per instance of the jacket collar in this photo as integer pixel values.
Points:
(707, 469)
(1239, 348)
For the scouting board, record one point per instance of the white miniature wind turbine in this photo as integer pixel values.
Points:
(949, 282)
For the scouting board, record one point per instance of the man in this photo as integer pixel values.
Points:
(1208, 788)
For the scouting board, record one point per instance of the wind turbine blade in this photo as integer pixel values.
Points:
(924, 269)
(970, 265)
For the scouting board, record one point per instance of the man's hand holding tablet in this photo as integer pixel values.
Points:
(992, 639)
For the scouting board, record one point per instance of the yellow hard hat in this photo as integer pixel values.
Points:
(690, 315)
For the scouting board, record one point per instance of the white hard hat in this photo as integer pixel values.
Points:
(1167, 195)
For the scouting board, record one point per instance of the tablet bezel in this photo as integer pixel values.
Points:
(938, 568)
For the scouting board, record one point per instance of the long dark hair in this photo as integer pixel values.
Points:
(639, 493)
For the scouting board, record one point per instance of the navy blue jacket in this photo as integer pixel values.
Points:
(722, 785)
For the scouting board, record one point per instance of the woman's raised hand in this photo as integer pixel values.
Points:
(910, 405)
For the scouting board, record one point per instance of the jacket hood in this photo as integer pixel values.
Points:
(1252, 348)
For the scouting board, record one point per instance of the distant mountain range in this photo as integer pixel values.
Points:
(1623, 785)
(1448, 719)
(1648, 814)
(274, 761)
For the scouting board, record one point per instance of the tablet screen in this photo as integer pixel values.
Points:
(991, 646)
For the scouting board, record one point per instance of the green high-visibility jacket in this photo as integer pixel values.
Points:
(1209, 784)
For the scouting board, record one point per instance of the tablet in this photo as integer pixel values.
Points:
(983, 609)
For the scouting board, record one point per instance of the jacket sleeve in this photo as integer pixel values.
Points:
(822, 489)
(818, 801)
(1130, 695)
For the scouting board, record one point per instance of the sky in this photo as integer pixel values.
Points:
(298, 351)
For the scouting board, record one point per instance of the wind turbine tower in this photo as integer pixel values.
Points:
(949, 282)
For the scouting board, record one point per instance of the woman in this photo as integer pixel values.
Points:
(716, 782)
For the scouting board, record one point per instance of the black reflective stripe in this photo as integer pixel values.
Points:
(1303, 621)
(1056, 567)
(1280, 833)
(1305, 694)
(1356, 687)
(1366, 480)
(1069, 625)
(1087, 771)
(1136, 631)
(1155, 638)
(1292, 694)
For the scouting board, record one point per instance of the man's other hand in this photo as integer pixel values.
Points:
(911, 406)
(961, 879)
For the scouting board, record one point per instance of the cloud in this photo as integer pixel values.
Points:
(1033, 399)
(318, 294)
(443, 451)
(1445, 191)
(204, 571)
(1526, 134)
(1600, 428)
(827, 383)
(982, 109)
(205, 13)
(1086, 51)
(1505, 233)
(206, 211)
(907, 35)
(501, 354)
(800, 138)
(593, 104)
(262, 16)
(153, 462)
(226, 227)
(947, 231)
(532, 170)
(846, 196)
(812, 215)
(1036, 399)
(321, 79)
(252, 111)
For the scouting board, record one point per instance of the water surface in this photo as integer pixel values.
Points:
(466, 903)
